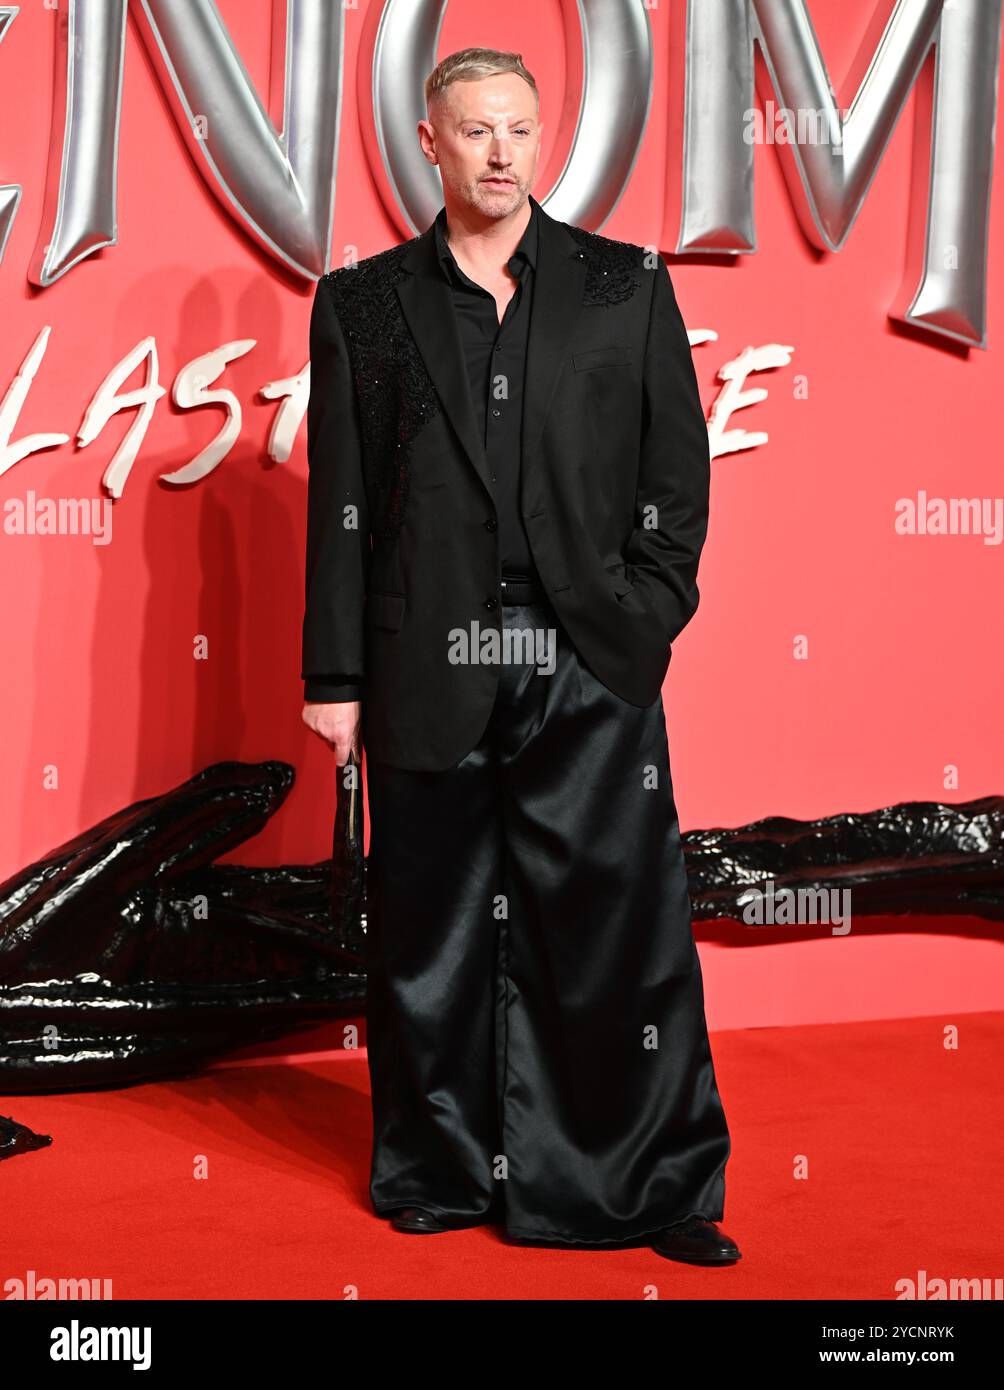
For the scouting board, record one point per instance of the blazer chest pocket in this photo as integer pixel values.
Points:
(622, 581)
(385, 610)
(589, 358)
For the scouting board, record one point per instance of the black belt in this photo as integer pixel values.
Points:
(519, 590)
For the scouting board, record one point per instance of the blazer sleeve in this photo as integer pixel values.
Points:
(338, 541)
(674, 476)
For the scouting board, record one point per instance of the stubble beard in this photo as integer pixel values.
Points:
(490, 203)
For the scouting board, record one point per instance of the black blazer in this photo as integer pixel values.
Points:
(402, 542)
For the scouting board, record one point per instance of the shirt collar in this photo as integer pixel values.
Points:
(527, 247)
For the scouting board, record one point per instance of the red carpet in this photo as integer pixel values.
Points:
(902, 1140)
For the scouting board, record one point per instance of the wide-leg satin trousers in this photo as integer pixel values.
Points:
(538, 1051)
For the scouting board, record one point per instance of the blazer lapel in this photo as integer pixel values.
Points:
(428, 309)
(557, 303)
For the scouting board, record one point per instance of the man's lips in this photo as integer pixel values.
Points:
(501, 182)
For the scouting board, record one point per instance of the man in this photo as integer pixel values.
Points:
(508, 496)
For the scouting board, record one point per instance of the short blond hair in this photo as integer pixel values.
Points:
(471, 65)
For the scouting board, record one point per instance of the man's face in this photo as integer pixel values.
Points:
(485, 137)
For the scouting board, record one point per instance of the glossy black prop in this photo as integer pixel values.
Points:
(128, 955)
(19, 1139)
(919, 857)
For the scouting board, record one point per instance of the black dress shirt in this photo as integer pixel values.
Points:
(495, 354)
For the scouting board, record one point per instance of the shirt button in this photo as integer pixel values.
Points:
(491, 603)
(496, 412)
(491, 524)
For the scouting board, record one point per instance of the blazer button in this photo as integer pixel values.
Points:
(491, 603)
(491, 524)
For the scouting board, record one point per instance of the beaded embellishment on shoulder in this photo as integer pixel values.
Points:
(611, 267)
(396, 395)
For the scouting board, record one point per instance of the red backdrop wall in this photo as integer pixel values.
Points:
(905, 666)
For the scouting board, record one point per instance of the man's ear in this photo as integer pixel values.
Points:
(428, 144)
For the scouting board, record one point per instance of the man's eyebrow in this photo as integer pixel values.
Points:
(484, 120)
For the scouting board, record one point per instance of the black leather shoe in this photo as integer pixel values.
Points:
(416, 1220)
(696, 1241)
